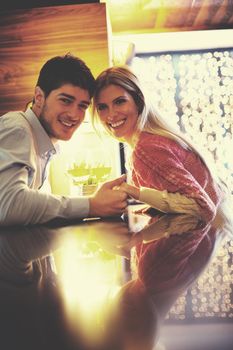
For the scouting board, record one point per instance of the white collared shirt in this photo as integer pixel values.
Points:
(25, 150)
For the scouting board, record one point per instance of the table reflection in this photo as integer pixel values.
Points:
(102, 284)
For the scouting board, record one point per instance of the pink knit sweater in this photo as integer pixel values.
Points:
(162, 163)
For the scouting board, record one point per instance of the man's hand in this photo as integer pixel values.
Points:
(108, 200)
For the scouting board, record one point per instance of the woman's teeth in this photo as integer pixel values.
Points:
(115, 125)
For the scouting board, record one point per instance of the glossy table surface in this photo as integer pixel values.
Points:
(99, 284)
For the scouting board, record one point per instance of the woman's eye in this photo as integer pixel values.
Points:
(101, 107)
(120, 101)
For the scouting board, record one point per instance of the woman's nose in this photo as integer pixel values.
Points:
(111, 113)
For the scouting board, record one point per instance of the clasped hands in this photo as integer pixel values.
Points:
(111, 198)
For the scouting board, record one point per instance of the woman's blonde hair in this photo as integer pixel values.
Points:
(149, 119)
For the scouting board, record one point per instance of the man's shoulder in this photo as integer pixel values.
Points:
(13, 116)
(14, 124)
(15, 120)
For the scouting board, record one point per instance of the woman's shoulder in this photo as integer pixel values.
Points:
(154, 140)
(159, 148)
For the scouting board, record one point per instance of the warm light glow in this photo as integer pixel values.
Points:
(89, 280)
(85, 151)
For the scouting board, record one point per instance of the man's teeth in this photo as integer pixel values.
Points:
(115, 125)
(66, 123)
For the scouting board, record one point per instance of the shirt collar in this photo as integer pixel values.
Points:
(44, 142)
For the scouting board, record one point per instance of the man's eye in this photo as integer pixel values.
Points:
(83, 107)
(66, 100)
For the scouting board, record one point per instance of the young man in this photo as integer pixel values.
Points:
(28, 140)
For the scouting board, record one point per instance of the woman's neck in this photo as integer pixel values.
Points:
(132, 140)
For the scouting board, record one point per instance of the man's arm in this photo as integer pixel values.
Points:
(20, 203)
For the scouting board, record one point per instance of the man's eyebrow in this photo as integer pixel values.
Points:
(66, 95)
(63, 94)
(86, 102)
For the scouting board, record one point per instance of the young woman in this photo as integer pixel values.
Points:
(167, 172)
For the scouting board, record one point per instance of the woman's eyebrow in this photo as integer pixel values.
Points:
(117, 98)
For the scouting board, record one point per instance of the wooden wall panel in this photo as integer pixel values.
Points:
(29, 37)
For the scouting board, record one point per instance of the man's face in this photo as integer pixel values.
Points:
(62, 112)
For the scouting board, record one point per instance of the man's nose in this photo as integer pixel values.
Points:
(76, 113)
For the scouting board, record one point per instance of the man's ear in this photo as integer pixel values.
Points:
(39, 97)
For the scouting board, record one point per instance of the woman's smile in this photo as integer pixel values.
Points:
(118, 111)
(117, 124)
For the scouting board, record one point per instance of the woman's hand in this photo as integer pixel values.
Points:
(131, 190)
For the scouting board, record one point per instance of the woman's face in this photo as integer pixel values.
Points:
(117, 111)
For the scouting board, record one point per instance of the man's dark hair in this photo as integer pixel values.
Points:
(66, 69)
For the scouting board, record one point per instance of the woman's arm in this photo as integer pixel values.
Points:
(163, 200)
(161, 167)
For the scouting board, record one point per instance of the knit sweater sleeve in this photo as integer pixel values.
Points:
(168, 202)
(160, 167)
